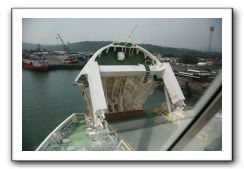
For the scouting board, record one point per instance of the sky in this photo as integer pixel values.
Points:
(190, 33)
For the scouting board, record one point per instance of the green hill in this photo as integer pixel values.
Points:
(93, 46)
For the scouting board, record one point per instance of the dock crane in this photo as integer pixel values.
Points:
(71, 58)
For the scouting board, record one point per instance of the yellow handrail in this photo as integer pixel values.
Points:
(169, 116)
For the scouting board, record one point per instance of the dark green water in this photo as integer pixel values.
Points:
(48, 99)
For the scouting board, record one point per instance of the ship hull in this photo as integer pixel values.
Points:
(32, 67)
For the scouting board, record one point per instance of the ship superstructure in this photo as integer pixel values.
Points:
(116, 83)
(119, 78)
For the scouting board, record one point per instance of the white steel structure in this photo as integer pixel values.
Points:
(120, 76)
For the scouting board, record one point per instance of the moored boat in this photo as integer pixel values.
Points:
(35, 64)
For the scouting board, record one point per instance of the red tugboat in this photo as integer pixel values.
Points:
(35, 63)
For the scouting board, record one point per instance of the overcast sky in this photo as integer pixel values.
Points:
(180, 33)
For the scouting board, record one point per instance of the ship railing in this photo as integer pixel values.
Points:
(56, 137)
(122, 144)
(111, 129)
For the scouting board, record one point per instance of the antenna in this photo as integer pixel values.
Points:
(57, 42)
(133, 30)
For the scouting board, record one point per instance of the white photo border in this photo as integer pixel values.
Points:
(18, 155)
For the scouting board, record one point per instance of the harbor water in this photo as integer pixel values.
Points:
(48, 98)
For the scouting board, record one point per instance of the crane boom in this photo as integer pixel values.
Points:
(64, 46)
(72, 59)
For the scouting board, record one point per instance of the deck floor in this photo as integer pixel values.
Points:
(150, 134)
(110, 58)
(78, 138)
